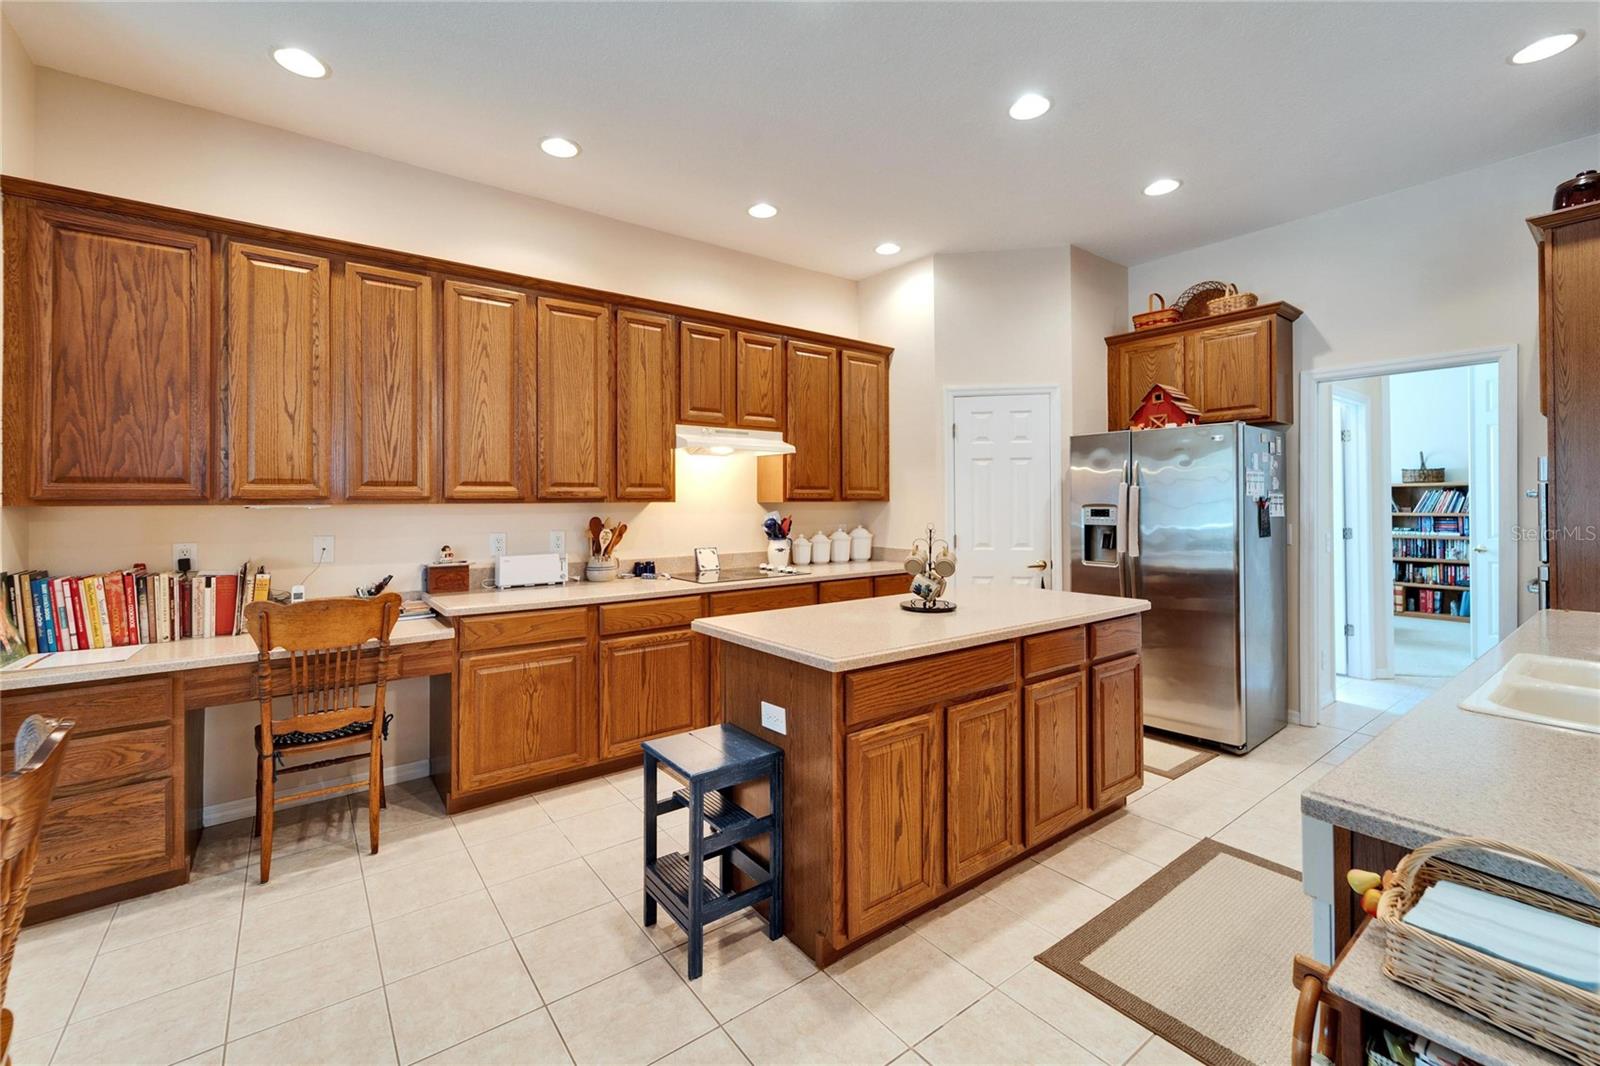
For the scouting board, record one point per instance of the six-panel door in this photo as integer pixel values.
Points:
(864, 426)
(391, 371)
(647, 393)
(650, 685)
(1055, 732)
(488, 394)
(1118, 729)
(574, 400)
(523, 713)
(983, 808)
(894, 819)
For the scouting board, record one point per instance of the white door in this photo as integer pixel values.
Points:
(1483, 507)
(1343, 625)
(1001, 455)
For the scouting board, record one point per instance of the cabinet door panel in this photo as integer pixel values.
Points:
(647, 390)
(1055, 744)
(524, 713)
(812, 472)
(392, 374)
(121, 329)
(864, 426)
(1230, 371)
(281, 383)
(894, 820)
(488, 394)
(650, 685)
(982, 801)
(574, 396)
(104, 837)
(1118, 733)
(1135, 367)
(706, 375)
(759, 381)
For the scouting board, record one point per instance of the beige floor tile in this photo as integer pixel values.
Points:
(1108, 1034)
(209, 1057)
(525, 853)
(75, 938)
(620, 867)
(816, 1021)
(154, 966)
(1199, 808)
(441, 1007)
(410, 803)
(910, 1058)
(716, 1048)
(43, 987)
(159, 1029)
(209, 900)
(298, 982)
(1100, 866)
(908, 984)
(631, 784)
(403, 889)
(1160, 1053)
(997, 1029)
(607, 827)
(1046, 898)
(1150, 841)
(273, 926)
(1346, 748)
(637, 1015)
(579, 798)
(352, 1033)
(742, 967)
(316, 825)
(1151, 783)
(422, 939)
(500, 820)
(992, 941)
(411, 844)
(530, 1039)
(300, 872)
(587, 947)
(34, 1050)
(534, 900)
(1378, 724)
(223, 848)
(1347, 715)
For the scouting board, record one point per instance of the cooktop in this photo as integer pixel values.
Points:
(743, 573)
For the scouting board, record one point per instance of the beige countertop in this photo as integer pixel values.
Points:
(1442, 771)
(583, 593)
(858, 633)
(191, 654)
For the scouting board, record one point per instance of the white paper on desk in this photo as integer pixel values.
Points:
(88, 657)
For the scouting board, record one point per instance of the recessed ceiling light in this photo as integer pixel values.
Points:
(1162, 186)
(1545, 47)
(888, 248)
(559, 147)
(762, 210)
(301, 62)
(1029, 105)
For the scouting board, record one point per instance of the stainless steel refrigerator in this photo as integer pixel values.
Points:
(1192, 519)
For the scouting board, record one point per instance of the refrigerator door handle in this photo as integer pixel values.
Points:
(1132, 510)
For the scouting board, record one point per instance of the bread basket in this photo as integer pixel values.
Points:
(1156, 316)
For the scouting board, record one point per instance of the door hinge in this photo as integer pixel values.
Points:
(1349, 629)
(953, 433)
(1346, 436)
(1347, 533)
(955, 541)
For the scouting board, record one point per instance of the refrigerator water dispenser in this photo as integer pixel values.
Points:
(1100, 547)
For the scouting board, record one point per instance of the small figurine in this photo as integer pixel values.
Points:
(1164, 406)
(447, 554)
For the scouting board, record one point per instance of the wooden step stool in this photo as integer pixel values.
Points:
(709, 761)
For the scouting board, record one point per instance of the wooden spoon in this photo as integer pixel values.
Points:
(595, 525)
(616, 538)
(605, 543)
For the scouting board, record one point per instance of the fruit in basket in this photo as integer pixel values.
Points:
(1369, 901)
(1362, 880)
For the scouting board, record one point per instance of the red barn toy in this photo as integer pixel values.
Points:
(1164, 406)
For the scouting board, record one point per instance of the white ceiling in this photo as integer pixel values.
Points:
(872, 122)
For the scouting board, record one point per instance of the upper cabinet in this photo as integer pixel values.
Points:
(574, 400)
(117, 317)
(647, 399)
(705, 375)
(279, 375)
(758, 373)
(488, 393)
(812, 472)
(391, 374)
(1238, 366)
(864, 426)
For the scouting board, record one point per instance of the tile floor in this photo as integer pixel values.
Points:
(510, 934)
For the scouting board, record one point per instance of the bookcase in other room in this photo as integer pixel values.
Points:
(1432, 549)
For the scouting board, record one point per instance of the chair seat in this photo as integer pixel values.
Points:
(301, 739)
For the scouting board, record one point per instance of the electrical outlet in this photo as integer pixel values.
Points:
(774, 717)
(558, 541)
(322, 549)
(185, 551)
(497, 544)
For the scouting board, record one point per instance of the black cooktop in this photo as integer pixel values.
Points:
(737, 573)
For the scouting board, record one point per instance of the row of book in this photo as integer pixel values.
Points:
(1439, 501)
(1432, 601)
(1429, 548)
(1430, 574)
(1422, 524)
(130, 606)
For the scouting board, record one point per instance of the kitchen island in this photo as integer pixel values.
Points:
(923, 753)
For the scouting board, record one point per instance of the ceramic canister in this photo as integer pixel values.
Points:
(820, 547)
(860, 545)
(839, 550)
(800, 551)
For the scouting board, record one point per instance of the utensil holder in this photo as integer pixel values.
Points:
(778, 552)
(600, 570)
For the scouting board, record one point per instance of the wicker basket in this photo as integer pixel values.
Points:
(1231, 300)
(1546, 1012)
(1422, 473)
(1156, 316)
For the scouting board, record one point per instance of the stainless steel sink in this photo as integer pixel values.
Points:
(1544, 689)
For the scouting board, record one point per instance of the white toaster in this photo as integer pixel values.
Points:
(523, 571)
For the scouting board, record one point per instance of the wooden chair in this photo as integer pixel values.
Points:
(24, 800)
(324, 640)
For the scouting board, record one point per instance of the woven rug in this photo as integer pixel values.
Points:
(1169, 758)
(1200, 954)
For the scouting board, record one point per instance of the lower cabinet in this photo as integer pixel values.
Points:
(1055, 744)
(983, 812)
(1118, 729)
(524, 712)
(855, 588)
(894, 819)
(650, 685)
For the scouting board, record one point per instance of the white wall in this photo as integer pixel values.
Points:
(1428, 413)
(1099, 310)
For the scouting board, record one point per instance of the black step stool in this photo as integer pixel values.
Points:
(709, 761)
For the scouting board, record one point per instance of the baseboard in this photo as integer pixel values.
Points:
(233, 810)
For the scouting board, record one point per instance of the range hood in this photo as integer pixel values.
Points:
(714, 440)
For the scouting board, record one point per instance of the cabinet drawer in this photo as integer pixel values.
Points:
(98, 838)
(650, 614)
(1048, 653)
(1117, 636)
(770, 599)
(96, 708)
(884, 691)
(110, 756)
(523, 627)
(891, 585)
(856, 588)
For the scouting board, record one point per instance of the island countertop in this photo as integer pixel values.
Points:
(839, 637)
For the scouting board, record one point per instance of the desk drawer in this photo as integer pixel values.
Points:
(650, 614)
(884, 691)
(1116, 636)
(95, 707)
(1049, 653)
(110, 757)
(523, 627)
(770, 599)
(100, 838)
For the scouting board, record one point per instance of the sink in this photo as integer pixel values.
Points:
(1543, 689)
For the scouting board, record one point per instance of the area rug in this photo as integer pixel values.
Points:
(1200, 954)
(1168, 758)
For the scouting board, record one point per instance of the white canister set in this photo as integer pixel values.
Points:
(852, 547)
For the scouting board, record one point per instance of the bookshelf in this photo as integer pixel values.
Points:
(1431, 553)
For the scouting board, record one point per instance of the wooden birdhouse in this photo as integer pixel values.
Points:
(1164, 406)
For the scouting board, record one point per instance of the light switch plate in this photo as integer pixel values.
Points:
(774, 718)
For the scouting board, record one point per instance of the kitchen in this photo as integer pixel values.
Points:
(489, 359)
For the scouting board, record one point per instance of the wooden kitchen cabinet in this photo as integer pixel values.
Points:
(705, 374)
(864, 426)
(651, 684)
(894, 819)
(282, 386)
(574, 400)
(1117, 729)
(391, 369)
(854, 588)
(758, 381)
(812, 472)
(117, 316)
(647, 396)
(524, 712)
(1137, 365)
(984, 809)
(1230, 371)
(1055, 746)
(488, 393)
